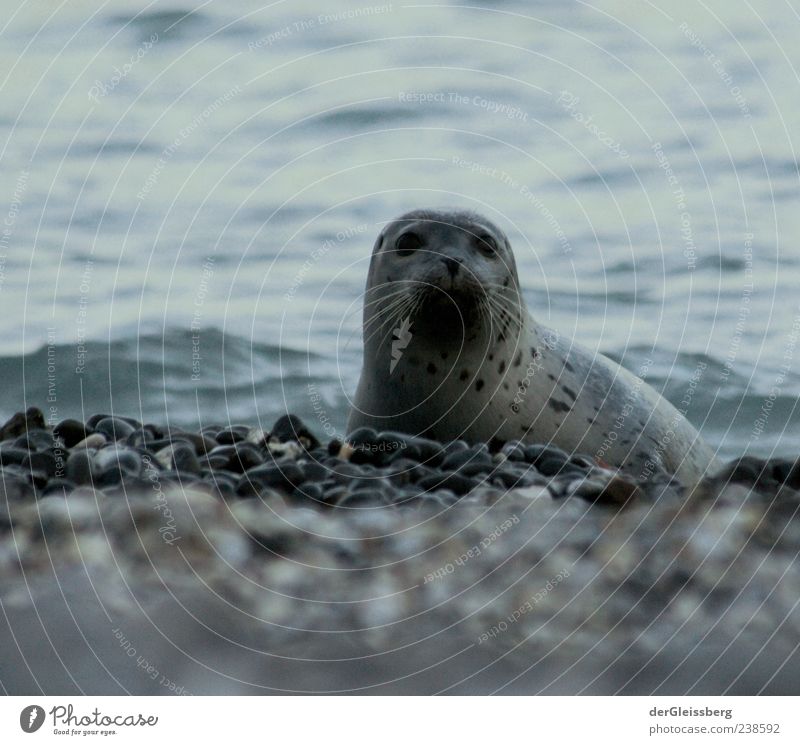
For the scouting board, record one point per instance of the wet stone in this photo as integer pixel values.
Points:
(21, 423)
(216, 461)
(44, 462)
(11, 454)
(179, 455)
(480, 469)
(58, 487)
(477, 454)
(290, 427)
(232, 435)
(447, 480)
(202, 445)
(343, 472)
(241, 457)
(283, 477)
(92, 442)
(36, 439)
(361, 500)
(79, 466)
(455, 446)
(140, 438)
(513, 477)
(362, 436)
(119, 460)
(315, 471)
(555, 466)
(93, 420)
(535, 453)
(514, 450)
(115, 428)
(310, 491)
(71, 431)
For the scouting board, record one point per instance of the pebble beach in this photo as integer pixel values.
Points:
(146, 559)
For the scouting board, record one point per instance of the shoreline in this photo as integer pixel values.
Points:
(383, 577)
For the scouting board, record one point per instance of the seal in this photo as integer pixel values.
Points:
(451, 352)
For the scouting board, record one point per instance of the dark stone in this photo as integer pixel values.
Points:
(157, 444)
(447, 480)
(496, 445)
(455, 445)
(237, 458)
(140, 437)
(14, 489)
(216, 461)
(420, 449)
(202, 445)
(343, 472)
(533, 453)
(582, 461)
(310, 491)
(71, 431)
(232, 435)
(555, 467)
(481, 468)
(183, 457)
(37, 439)
(316, 472)
(361, 500)
(112, 463)
(44, 462)
(512, 477)
(514, 450)
(476, 454)
(334, 447)
(95, 419)
(20, 424)
(290, 428)
(79, 467)
(58, 487)
(224, 482)
(11, 454)
(362, 436)
(440, 499)
(115, 428)
(285, 477)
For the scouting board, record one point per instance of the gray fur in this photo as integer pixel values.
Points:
(473, 363)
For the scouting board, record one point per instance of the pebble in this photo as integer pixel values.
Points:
(79, 466)
(115, 428)
(476, 455)
(120, 455)
(291, 428)
(284, 477)
(232, 435)
(448, 480)
(94, 441)
(44, 462)
(71, 431)
(20, 423)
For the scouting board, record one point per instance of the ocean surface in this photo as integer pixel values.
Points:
(190, 193)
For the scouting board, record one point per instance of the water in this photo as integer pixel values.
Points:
(189, 199)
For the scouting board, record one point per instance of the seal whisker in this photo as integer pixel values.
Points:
(393, 318)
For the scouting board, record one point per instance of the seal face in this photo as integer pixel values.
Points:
(451, 352)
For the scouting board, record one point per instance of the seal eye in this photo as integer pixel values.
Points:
(487, 245)
(407, 243)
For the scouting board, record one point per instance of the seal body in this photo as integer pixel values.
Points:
(451, 352)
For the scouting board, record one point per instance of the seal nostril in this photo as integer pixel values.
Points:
(452, 265)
